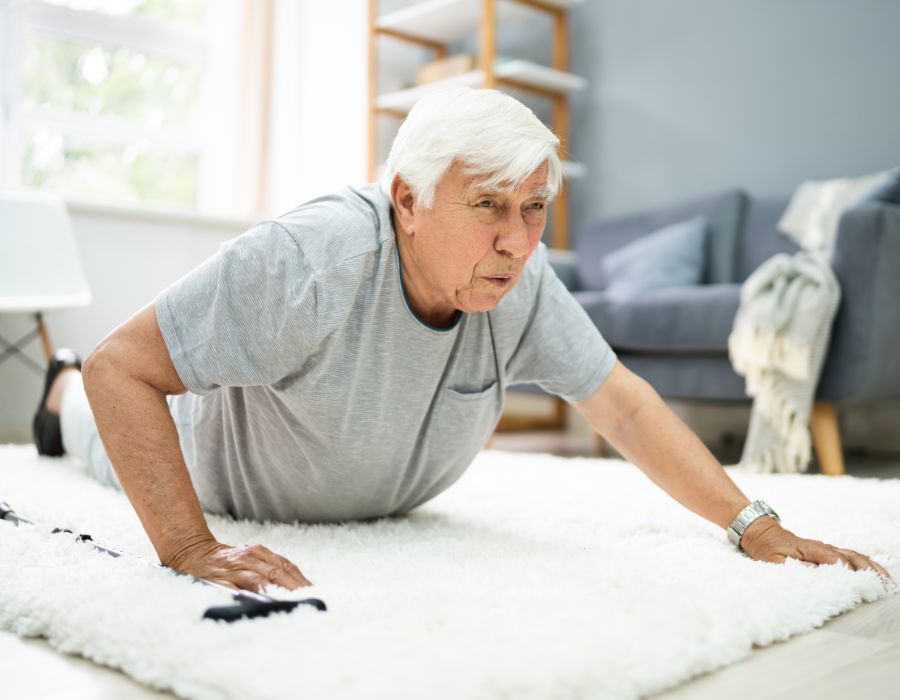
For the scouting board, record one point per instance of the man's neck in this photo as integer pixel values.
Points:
(428, 311)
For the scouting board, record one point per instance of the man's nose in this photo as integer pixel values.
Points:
(512, 239)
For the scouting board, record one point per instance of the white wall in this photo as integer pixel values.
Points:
(128, 259)
(319, 87)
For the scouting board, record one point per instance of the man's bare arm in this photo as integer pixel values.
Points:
(631, 415)
(628, 412)
(126, 380)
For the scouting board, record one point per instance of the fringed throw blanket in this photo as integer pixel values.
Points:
(778, 343)
(781, 331)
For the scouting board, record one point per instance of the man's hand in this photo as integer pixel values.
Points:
(766, 540)
(249, 567)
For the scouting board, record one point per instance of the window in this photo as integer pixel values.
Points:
(134, 101)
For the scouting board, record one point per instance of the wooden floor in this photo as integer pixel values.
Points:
(853, 656)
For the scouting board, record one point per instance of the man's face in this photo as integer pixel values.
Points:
(470, 248)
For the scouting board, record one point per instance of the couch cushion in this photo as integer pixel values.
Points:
(694, 377)
(673, 256)
(677, 320)
(724, 216)
(761, 239)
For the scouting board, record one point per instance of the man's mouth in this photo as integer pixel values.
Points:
(501, 280)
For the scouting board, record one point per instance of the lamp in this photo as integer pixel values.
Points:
(40, 268)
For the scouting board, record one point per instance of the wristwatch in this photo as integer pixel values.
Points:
(755, 510)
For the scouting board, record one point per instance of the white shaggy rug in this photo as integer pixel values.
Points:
(532, 577)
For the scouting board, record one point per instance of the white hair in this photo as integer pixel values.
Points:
(492, 134)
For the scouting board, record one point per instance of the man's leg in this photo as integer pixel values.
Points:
(79, 431)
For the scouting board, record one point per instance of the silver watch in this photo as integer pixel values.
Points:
(755, 510)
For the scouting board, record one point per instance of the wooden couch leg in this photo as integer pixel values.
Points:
(827, 438)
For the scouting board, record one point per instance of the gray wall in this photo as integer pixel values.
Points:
(691, 96)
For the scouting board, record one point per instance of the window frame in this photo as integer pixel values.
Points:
(156, 37)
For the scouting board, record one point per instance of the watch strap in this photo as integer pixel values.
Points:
(755, 510)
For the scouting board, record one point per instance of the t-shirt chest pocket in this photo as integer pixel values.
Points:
(472, 392)
(469, 411)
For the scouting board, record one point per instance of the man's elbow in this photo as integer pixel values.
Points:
(133, 354)
(96, 365)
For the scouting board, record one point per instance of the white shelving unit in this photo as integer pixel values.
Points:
(446, 21)
(523, 72)
(434, 24)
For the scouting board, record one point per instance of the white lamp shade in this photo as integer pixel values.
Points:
(40, 268)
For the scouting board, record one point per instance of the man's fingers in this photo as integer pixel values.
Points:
(248, 567)
(223, 582)
(827, 554)
(856, 560)
(286, 579)
(257, 578)
(852, 559)
(281, 571)
(820, 553)
(861, 561)
(250, 580)
(815, 552)
(288, 567)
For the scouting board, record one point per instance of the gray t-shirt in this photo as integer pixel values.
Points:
(316, 393)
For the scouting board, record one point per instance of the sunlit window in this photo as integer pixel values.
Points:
(109, 99)
(162, 103)
(184, 11)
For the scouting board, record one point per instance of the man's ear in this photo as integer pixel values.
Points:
(404, 200)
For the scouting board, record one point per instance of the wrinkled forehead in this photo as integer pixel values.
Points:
(477, 188)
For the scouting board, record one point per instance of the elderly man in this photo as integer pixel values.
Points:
(348, 359)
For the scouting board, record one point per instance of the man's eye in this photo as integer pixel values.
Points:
(485, 201)
(538, 205)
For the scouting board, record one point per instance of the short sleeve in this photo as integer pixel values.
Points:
(245, 316)
(561, 350)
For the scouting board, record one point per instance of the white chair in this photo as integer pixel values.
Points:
(40, 268)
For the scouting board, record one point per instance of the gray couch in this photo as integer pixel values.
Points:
(676, 338)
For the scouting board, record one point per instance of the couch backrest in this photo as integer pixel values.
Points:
(723, 211)
(760, 238)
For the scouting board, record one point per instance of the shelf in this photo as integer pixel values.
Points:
(439, 26)
(525, 73)
(449, 20)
